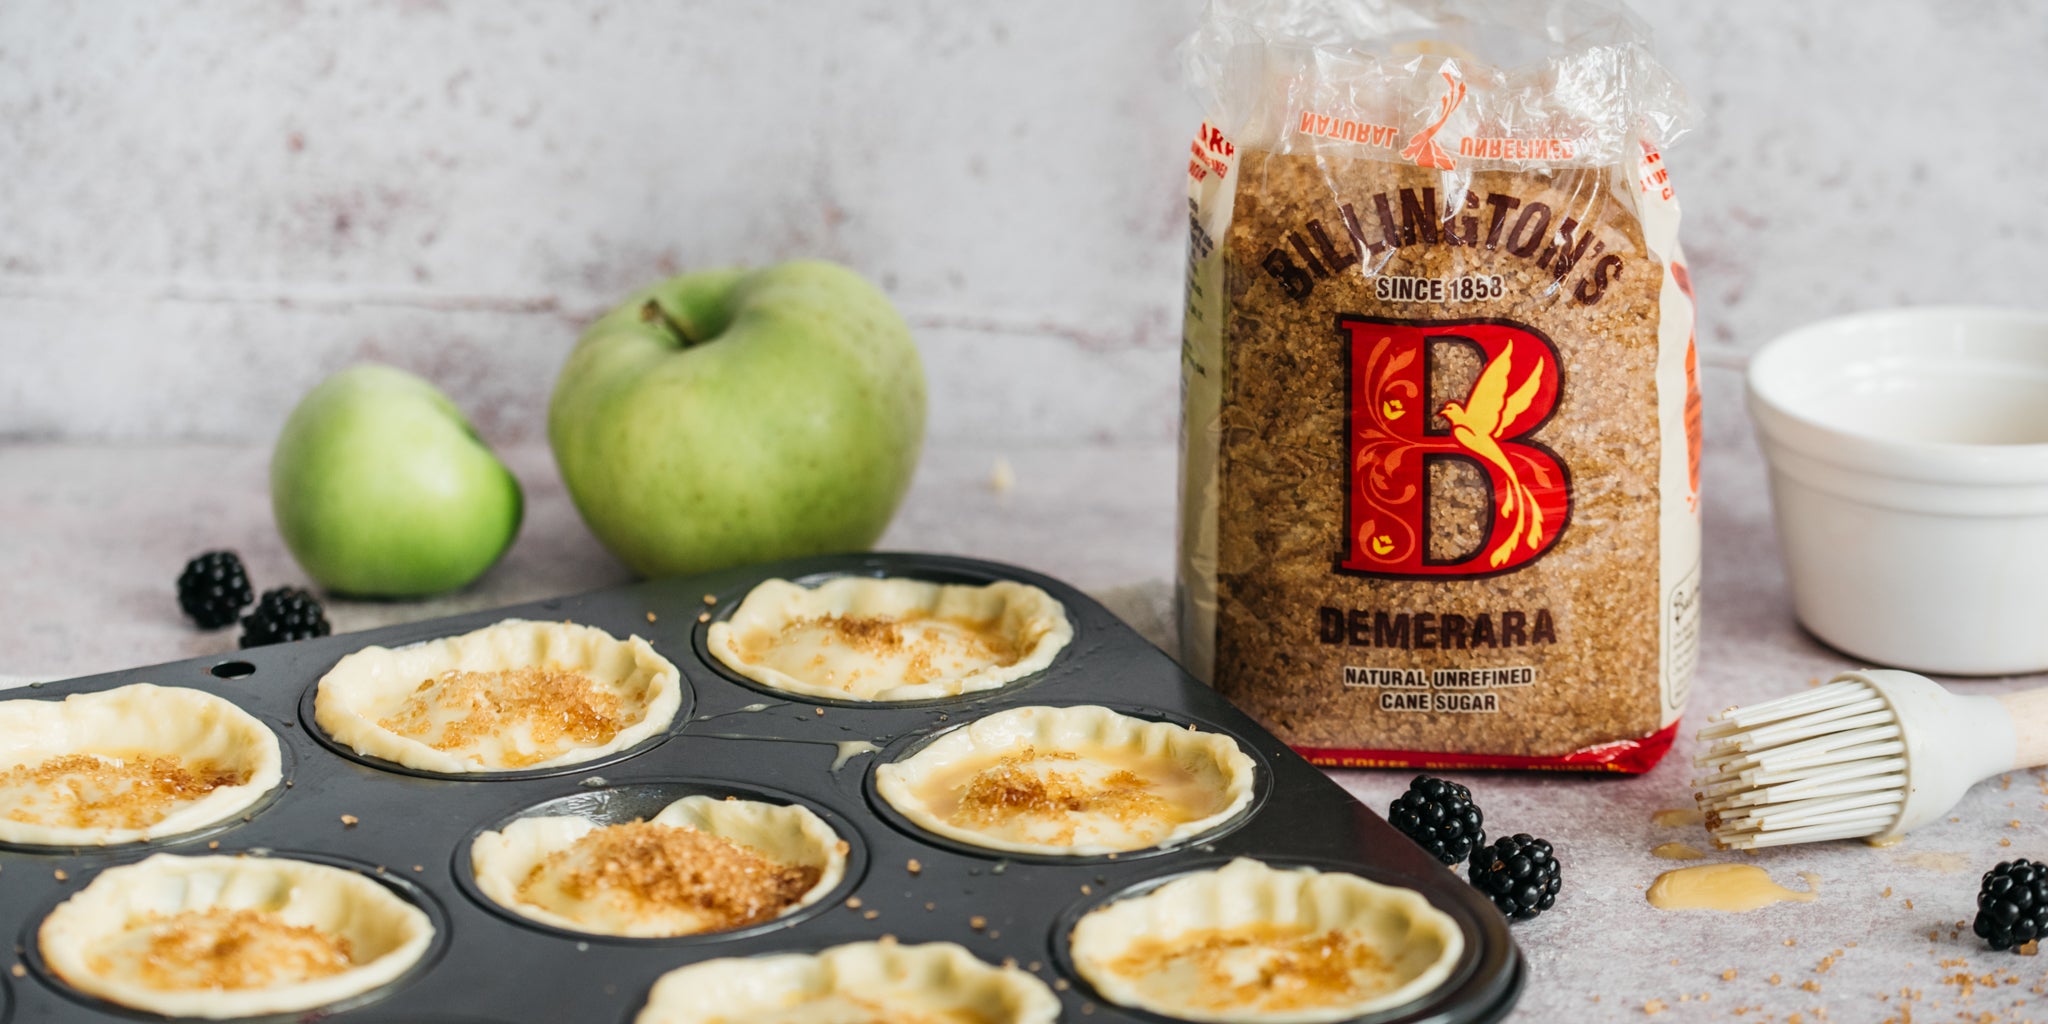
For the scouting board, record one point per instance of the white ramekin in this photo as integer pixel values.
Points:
(1908, 454)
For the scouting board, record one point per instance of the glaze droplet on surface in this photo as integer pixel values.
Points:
(1679, 816)
(850, 749)
(1733, 888)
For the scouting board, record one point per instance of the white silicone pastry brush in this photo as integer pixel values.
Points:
(1869, 755)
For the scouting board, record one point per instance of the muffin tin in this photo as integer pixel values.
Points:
(412, 829)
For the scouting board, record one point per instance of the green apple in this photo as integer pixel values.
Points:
(382, 489)
(735, 416)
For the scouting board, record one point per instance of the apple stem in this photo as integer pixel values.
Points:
(652, 312)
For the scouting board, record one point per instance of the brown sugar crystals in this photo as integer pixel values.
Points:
(556, 707)
(1300, 968)
(218, 948)
(663, 866)
(1009, 788)
(89, 791)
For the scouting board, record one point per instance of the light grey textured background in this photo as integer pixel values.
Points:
(205, 207)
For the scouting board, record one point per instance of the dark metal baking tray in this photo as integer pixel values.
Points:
(412, 829)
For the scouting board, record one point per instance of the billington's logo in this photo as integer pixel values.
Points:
(1393, 443)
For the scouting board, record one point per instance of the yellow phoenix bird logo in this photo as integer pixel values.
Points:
(1478, 426)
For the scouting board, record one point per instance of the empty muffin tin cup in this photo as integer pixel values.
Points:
(1908, 454)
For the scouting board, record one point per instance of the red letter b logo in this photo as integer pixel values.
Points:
(1393, 442)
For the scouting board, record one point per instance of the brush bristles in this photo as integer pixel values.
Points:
(1824, 764)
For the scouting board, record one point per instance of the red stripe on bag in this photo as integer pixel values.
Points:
(1632, 757)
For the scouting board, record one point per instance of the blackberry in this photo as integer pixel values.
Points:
(1518, 873)
(2012, 903)
(285, 613)
(214, 589)
(1439, 815)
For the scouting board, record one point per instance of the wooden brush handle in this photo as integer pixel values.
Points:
(2029, 711)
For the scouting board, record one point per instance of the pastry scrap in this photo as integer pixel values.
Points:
(701, 865)
(858, 638)
(129, 764)
(223, 937)
(516, 695)
(857, 983)
(1251, 944)
(1077, 781)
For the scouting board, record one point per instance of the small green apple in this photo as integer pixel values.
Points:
(730, 416)
(382, 489)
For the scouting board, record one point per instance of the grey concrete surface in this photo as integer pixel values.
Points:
(208, 206)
